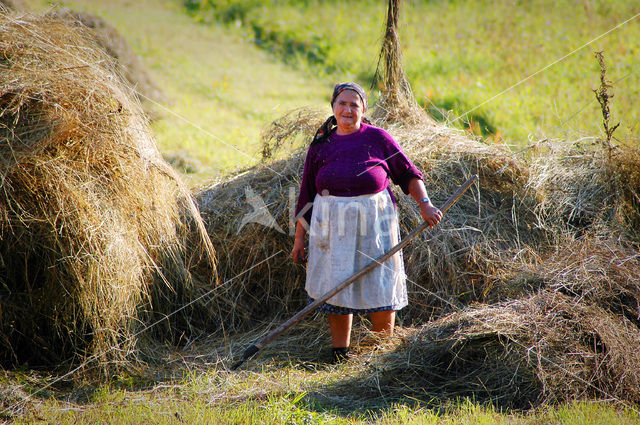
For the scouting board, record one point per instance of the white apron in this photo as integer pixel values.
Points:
(347, 233)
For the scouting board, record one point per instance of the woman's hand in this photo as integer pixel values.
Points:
(298, 254)
(430, 213)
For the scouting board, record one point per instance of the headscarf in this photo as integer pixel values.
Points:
(322, 134)
(339, 88)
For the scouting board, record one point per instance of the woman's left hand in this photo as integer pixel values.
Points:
(430, 213)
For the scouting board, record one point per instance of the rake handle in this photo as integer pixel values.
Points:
(254, 348)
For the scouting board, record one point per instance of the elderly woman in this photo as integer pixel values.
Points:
(347, 207)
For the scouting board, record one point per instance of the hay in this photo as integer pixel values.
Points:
(599, 269)
(13, 6)
(546, 348)
(582, 186)
(529, 305)
(255, 290)
(290, 132)
(116, 46)
(575, 337)
(456, 262)
(93, 224)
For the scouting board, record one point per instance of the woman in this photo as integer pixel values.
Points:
(346, 205)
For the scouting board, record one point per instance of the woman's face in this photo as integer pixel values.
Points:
(348, 110)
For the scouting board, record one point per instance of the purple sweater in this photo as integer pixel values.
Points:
(356, 164)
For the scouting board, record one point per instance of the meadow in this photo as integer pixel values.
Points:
(229, 68)
(515, 72)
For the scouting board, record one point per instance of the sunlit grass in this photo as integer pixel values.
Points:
(286, 396)
(508, 70)
(489, 50)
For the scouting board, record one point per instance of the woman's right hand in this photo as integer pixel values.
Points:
(430, 214)
(298, 253)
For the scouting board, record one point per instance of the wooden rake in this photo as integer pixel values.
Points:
(254, 348)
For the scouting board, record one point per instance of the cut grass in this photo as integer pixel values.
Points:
(192, 385)
(284, 395)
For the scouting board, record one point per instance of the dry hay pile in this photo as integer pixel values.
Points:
(577, 338)
(459, 261)
(546, 348)
(93, 223)
(115, 45)
(450, 264)
(585, 186)
(248, 220)
(12, 5)
(601, 270)
(572, 329)
(560, 299)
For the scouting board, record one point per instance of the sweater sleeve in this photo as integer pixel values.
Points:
(401, 169)
(308, 190)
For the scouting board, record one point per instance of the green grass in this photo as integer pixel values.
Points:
(461, 55)
(286, 396)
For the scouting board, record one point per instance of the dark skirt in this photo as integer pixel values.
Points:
(334, 309)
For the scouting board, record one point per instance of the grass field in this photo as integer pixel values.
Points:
(513, 71)
(284, 394)
(230, 74)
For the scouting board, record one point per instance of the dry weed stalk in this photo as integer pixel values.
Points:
(603, 95)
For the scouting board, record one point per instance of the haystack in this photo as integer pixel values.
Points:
(93, 224)
(583, 186)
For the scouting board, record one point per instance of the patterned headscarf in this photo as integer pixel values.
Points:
(322, 134)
